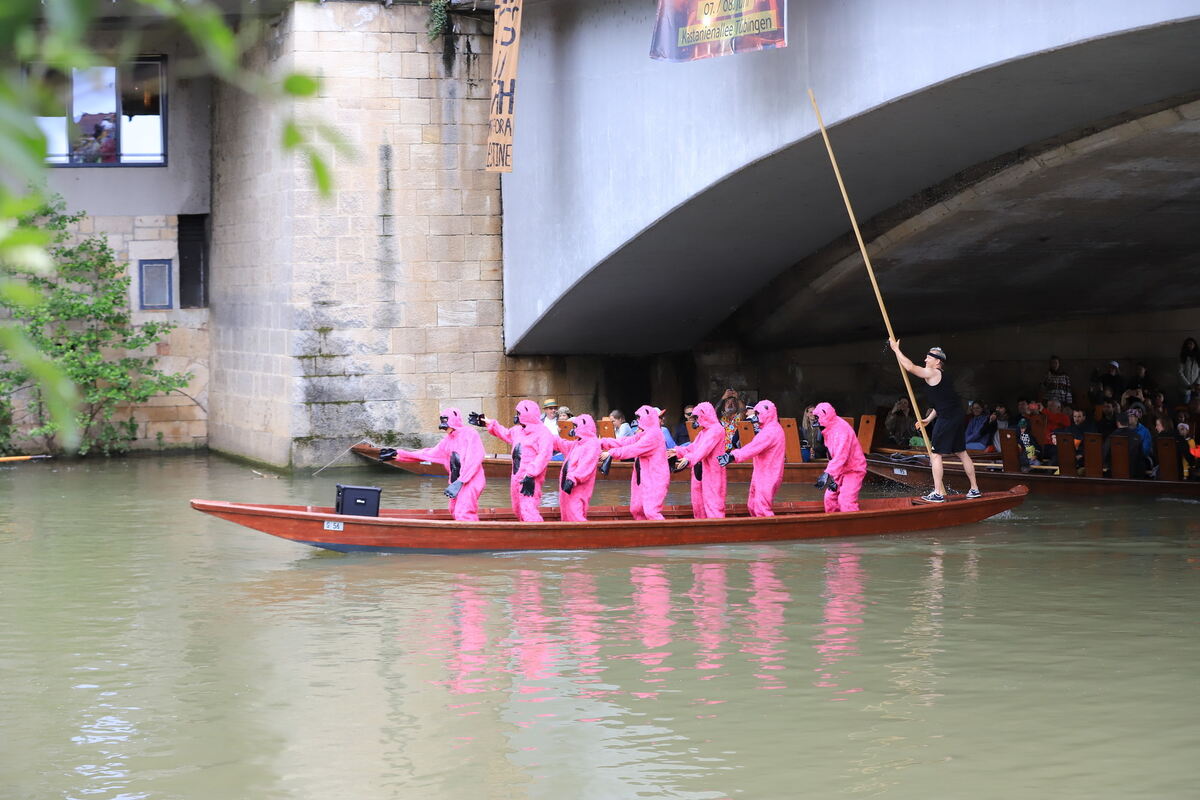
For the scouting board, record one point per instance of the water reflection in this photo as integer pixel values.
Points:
(152, 653)
(838, 637)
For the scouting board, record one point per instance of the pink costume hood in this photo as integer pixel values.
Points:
(767, 412)
(825, 414)
(528, 413)
(706, 415)
(454, 419)
(585, 426)
(648, 418)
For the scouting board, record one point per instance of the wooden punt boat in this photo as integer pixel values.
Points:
(500, 466)
(434, 531)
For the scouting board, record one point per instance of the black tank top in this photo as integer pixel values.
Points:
(943, 397)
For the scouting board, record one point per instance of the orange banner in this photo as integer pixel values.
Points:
(688, 30)
(506, 41)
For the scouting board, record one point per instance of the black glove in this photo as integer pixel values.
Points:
(832, 485)
(477, 419)
(825, 482)
(568, 485)
(605, 465)
(527, 486)
(453, 489)
(724, 459)
(387, 453)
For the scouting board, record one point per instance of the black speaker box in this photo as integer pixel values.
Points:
(361, 501)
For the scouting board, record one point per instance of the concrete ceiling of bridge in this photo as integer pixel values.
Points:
(1114, 231)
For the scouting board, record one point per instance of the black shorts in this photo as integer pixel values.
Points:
(949, 434)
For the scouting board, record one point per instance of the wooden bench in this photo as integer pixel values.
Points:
(1170, 463)
(1067, 450)
(1119, 456)
(1093, 455)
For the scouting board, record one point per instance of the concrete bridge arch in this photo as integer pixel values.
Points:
(650, 202)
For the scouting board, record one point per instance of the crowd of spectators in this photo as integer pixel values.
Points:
(1136, 408)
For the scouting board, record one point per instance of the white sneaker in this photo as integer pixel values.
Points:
(974, 494)
(933, 497)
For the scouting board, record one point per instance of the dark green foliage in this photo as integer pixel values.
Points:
(82, 323)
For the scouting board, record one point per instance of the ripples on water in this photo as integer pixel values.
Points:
(152, 652)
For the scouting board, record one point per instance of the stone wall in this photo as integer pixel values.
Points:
(179, 419)
(362, 314)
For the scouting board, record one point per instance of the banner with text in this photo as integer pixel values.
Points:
(506, 39)
(688, 30)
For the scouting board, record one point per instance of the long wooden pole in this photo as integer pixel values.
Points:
(837, 173)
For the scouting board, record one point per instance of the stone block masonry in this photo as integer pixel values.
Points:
(364, 314)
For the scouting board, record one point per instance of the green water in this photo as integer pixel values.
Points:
(149, 651)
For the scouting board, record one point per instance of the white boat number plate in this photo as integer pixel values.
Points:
(330, 525)
(895, 471)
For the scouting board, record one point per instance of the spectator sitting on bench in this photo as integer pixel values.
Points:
(1125, 436)
(1189, 451)
(1079, 426)
(1055, 418)
(1106, 421)
(1027, 446)
(980, 427)
(1000, 421)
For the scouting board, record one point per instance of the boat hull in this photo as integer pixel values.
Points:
(433, 531)
(500, 466)
(918, 475)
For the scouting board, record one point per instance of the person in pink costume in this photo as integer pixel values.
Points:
(847, 466)
(768, 451)
(532, 447)
(651, 475)
(578, 477)
(708, 479)
(461, 453)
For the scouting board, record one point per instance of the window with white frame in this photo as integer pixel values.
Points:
(154, 281)
(105, 115)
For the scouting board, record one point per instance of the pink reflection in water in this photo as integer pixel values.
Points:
(710, 599)
(843, 596)
(768, 599)
(583, 613)
(530, 643)
(471, 655)
(652, 611)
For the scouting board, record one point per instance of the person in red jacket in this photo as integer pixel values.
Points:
(843, 476)
(768, 450)
(461, 453)
(578, 477)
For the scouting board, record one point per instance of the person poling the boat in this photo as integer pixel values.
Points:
(532, 446)
(461, 453)
(650, 475)
(843, 476)
(948, 418)
(768, 451)
(708, 479)
(578, 477)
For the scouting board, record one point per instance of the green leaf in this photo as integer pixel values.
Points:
(320, 172)
(19, 294)
(292, 136)
(298, 84)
